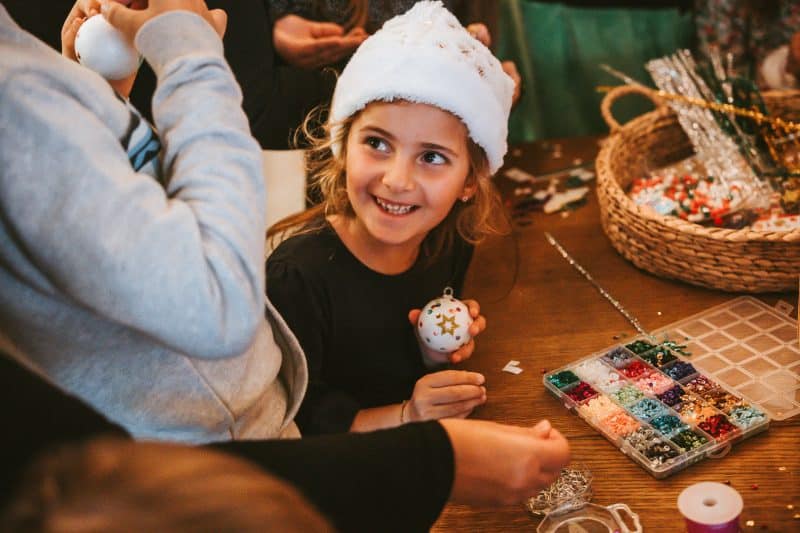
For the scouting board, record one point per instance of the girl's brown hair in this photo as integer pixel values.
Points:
(473, 220)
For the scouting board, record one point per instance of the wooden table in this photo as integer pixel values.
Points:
(543, 313)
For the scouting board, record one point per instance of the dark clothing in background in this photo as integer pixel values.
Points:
(311, 88)
(392, 480)
(380, 11)
(248, 49)
(352, 323)
(42, 18)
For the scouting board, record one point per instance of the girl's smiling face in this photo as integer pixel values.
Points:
(407, 164)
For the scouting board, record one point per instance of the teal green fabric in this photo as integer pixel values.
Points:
(558, 50)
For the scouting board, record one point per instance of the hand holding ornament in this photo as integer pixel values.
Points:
(446, 327)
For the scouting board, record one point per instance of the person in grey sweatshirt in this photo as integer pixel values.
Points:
(131, 262)
(131, 276)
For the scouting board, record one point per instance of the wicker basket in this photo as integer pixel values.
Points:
(732, 260)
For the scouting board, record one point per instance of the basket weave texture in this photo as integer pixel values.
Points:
(738, 260)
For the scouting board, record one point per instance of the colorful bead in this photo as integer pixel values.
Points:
(700, 386)
(658, 358)
(618, 357)
(599, 407)
(563, 379)
(640, 346)
(689, 440)
(668, 424)
(628, 395)
(717, 426)
(620, 424)
(679, 370)
(655, 383)
(677, 348)
(648, 408)
(722, 400)
(636, 369)
(694, 409)
(655, 449)
(581, 391)
(599, 375)
(673, 396)
(746, 416)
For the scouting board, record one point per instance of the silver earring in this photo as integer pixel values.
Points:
(465, 198)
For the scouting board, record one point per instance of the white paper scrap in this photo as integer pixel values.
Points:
(512, 367)
(559, 200)
(518, 175)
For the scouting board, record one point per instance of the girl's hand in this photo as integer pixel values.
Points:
(432, 357)
(445, 394)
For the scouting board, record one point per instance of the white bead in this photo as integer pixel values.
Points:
(105, 50)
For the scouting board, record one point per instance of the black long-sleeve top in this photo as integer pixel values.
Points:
(393, 480)
(352, 323)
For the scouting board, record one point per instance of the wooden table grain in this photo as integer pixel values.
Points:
(543, 313)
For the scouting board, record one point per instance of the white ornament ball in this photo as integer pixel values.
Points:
(444, 324)
(104, 49)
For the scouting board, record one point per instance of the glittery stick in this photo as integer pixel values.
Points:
(601, 290)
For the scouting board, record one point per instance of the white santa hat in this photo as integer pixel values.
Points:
(426, 56)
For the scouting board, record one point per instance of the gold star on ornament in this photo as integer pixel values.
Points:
(443, 325)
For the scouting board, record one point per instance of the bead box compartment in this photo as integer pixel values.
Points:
(744, 369)
(747, 347)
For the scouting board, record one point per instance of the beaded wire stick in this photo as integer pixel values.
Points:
(674, 345)
(618, 306)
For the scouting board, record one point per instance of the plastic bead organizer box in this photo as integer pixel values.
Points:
(718, 377)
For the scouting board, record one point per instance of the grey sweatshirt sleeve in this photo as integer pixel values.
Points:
(183, 266)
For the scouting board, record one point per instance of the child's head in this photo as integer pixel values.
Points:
(120, 485)
(421, 102)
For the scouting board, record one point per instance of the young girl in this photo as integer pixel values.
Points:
(417, 126)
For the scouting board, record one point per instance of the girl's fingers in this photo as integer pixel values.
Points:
(477, 326)
(447, 378)
(474, 308)
(463, 353)
(456, 394)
